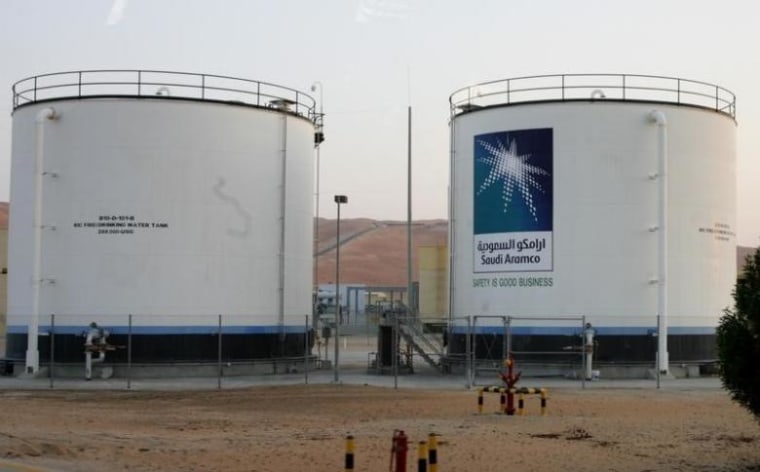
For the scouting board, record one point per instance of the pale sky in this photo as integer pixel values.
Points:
(376, 57)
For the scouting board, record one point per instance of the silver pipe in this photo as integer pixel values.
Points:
(394, 344)
(129, 352)
(657, 117)
(283, 209)
(468, 349)
(452, 221)
(219, 356)
(316, 196)
(32, 349)
(52, 349)
(306, 350)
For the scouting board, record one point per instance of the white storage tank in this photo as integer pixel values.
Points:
(559, 208)
(172, 197)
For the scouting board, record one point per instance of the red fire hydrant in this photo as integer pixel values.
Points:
(510, 379)
(399, 448)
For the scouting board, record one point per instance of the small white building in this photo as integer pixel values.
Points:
(353, 297)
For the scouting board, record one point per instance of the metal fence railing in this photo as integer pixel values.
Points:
(139, 346)
(596, 87)
(164, 84)
(215, 351)
(544, 346)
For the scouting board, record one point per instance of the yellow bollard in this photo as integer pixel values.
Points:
(543, 402)
(433, 452)
(349, 466)
(422, 456)
(520, 404)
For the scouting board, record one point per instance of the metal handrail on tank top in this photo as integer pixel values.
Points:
(163, 84)
(593, 88)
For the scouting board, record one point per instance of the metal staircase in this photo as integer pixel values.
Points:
(428, 345)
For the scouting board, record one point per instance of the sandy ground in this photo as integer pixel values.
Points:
(273, 428)
(291, 428)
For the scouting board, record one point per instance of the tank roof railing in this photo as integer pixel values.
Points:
(166, 84)
(593, 87)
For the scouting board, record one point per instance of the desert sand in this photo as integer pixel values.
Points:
(302, 428)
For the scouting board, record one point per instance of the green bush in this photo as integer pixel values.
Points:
(738, 339)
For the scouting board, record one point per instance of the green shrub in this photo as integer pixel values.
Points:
(738, 339)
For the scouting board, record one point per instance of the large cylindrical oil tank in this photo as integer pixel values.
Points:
(153, 202)
(559, 208)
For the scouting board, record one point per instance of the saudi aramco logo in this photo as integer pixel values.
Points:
(513, 201)
(513, 181)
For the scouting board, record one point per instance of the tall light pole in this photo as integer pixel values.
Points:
(338, 318)
(409, 310)
(319, 136)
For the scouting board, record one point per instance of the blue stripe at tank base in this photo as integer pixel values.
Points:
(577, 331)
(164, 330)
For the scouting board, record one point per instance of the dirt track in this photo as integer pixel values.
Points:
(303, 428)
